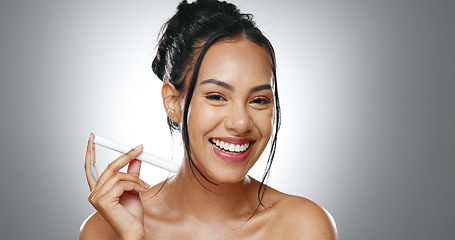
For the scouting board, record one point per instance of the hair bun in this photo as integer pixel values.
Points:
(192, 21)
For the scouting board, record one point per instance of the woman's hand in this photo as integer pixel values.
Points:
(116, 194)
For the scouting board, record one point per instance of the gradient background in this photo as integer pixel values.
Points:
(367, 90)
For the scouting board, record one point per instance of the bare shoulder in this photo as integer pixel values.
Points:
(308, 220)
(302, 218)
(95, 227)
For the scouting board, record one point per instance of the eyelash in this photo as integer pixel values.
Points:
(259, 100)
(215, 97)
(264, 101)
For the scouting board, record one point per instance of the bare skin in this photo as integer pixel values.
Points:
(233, 102)
(210, 216)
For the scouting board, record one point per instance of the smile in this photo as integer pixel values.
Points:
(230, 148)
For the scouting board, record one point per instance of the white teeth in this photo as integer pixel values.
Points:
(231, 147)
(237, 148)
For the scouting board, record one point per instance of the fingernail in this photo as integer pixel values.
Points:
(147, 186)
(139, 147)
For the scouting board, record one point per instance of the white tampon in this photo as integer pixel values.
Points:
(145, 157)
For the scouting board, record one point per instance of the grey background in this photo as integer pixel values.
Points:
(367, 90)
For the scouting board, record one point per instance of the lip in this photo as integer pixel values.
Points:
(233, 158)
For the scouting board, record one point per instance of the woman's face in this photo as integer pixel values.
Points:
(231, 113)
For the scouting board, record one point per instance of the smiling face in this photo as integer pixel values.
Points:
(231, 112)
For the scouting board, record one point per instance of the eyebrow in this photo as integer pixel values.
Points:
(260, 88)
(231, 88)
(219, 83)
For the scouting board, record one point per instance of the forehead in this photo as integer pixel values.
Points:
(236, 60)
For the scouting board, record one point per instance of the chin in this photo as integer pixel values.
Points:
(220, 171)
(226, 176)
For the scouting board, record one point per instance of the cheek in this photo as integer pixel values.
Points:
(202, 119)
(264, 122)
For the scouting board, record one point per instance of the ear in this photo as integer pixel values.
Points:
(171, 101)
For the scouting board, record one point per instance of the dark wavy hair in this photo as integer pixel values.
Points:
(184, 41)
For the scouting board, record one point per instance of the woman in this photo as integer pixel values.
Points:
(220, 91)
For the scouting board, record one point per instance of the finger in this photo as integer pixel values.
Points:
(134, 167)
(91, 172)
(125, 186)
(114, 179)
(119, 163)
(106, 195)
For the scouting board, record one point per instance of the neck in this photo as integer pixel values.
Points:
(205, 200)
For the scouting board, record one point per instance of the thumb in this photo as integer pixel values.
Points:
(134, 167)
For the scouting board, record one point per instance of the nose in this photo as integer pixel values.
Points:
(238, 120)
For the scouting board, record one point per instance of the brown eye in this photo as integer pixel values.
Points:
(215, 97)
(264, 101)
